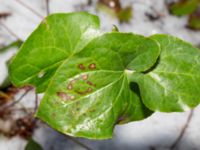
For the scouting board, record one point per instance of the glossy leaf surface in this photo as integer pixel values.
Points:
(94, 81)
(173, 83)
(90, 93)
(56, 38)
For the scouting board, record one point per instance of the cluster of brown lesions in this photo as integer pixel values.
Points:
(72, 88)
(91, 66)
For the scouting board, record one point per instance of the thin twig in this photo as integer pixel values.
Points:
(9, 30)
(36, 102)
(23, 109)
(47, 7)
(78, 142)
(31, 9)
(4, 15)
(20, 98)
(16, 101)
(173, 146)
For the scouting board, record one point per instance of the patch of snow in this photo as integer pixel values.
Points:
(159, 130)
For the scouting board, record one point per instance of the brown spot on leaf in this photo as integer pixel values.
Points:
(73, 81)
(80, 92)
(89, 90)
(92, 66)
(85, 77)
(90, 83)
(63, 96)
(70, 86)
(72, 97)
(81, 66)
(84, 92)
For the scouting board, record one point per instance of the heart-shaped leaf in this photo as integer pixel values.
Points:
(56, 38)
(173, 83)
(90, 93)
(86, 86)
(94, 81)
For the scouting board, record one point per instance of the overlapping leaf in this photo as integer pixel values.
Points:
(90, 91)
(56, 38)
(174, 82)
(88, 78)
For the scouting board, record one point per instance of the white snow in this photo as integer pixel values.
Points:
(159, 130)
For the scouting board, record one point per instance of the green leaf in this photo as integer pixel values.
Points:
(92, 95)
(33, 145)
(56, 38)
(93, 81)
(184, 7)
(88, 91)
(173, 83)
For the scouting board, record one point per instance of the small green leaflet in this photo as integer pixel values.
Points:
(93, 81)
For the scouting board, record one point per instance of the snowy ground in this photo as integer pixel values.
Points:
(160, 130)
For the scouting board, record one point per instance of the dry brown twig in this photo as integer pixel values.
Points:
(4, 15)
(16, 101)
